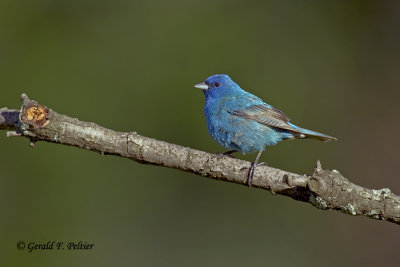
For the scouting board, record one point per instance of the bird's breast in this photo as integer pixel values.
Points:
(237, 133)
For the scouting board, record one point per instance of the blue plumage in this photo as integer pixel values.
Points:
(242, 122)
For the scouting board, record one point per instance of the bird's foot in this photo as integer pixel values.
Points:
(250, 174)
(228, 153)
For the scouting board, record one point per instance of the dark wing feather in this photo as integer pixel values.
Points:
(266, 115)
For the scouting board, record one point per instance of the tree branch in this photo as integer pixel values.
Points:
(324, 189)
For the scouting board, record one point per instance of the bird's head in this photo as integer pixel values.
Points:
(217, 85)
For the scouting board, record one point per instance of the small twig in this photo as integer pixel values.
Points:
(13, 134)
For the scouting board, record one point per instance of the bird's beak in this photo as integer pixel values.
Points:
(202, 86)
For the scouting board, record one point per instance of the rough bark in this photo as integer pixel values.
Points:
(324, 189)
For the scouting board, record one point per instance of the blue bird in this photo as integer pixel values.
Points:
(242, 122)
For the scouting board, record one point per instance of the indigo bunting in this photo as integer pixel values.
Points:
(242, 122)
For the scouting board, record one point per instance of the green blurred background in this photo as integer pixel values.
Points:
(332, 66)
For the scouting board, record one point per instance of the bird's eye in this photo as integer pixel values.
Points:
(216, 84)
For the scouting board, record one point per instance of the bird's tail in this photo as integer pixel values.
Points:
(305, 133)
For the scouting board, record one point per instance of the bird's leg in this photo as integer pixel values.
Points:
(228, 153)
(253, 165)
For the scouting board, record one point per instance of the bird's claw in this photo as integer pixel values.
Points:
(258, 164)
(250, 174)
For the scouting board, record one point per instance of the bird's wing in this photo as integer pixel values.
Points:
(266, 115)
